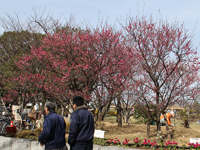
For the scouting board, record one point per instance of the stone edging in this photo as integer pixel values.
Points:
(8, 143)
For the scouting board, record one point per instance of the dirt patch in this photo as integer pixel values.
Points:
(179, 134)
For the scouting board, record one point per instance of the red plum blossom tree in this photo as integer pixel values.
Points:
(167, 62)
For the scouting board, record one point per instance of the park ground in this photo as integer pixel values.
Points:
(179, 134)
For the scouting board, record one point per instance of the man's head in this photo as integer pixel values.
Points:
(77, 101)
(49, 107)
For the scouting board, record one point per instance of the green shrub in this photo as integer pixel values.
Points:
(186, 116)
(67, 124)
(112, 112)
(99, 141)
(140, 113)
(27, 134)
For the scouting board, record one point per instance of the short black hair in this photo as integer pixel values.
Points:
(78, 100)
(51, 106)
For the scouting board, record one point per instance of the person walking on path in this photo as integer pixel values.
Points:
(81, 127)
(53, 133)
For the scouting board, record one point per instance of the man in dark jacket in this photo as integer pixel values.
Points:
(81, 127)
(53, 133)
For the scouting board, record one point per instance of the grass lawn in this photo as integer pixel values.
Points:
(179, 134)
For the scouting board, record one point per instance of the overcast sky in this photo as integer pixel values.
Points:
(187, 11)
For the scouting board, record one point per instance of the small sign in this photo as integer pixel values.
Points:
(99, 133)
(195, 140)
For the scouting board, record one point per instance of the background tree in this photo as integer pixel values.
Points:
(77, 62)
(14, 45)
(167, 62)
(18, 39)
(129, 101)
(113, 78)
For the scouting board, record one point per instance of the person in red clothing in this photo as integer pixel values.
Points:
(168, 115)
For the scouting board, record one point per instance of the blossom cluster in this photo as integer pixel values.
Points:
(168, 143)
(154, 144)
(147, 143)
(193, 145)
(126, 141)
(136, 141)
(114, 141)
(171, 144)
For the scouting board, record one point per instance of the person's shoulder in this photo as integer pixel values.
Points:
(55, 115)
(74, 113)
(58, 115)
(86, 112)
(80, 111)
(52, 115)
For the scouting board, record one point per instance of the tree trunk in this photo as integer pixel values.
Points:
(128, 120)
(102, 114)
(119, 116)
(127, 116)
(70, 112)
(186, 124)
(157, 112)
(148, 125)
(119, 112)
(20, 101)
(167, 127)
(158, 122)
(62, 110)
(98, 113)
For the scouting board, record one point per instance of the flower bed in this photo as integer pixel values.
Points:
(147, 144)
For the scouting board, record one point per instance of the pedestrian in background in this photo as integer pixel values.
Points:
(81, 127)
(53, 133)
(168, 115)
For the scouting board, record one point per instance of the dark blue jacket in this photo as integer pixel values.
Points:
(53, 133)
(81, 127)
